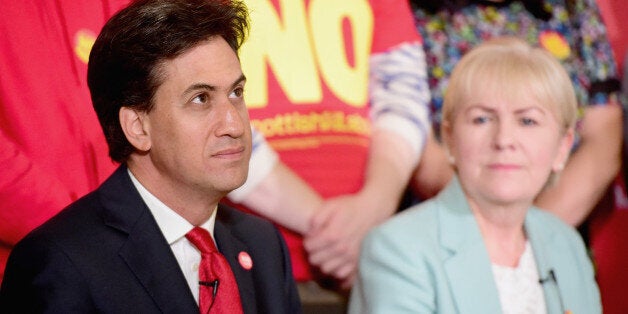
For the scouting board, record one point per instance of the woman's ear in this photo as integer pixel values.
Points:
(135, 127)
(564, 150)
(446, 138)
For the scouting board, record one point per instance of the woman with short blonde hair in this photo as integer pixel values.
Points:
(480, 246)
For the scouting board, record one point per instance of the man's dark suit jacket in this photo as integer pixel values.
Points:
(105, 253)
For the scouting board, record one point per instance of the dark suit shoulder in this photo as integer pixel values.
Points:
(104, 253)
(43, 261)
(70, 221)
(111, 210)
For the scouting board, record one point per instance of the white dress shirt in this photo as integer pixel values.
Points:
(174, 228)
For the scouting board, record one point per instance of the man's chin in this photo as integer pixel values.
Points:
(232, 183)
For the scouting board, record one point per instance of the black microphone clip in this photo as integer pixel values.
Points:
(550, 277)
(214, 284)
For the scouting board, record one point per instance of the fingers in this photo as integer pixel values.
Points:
(347, 283)
(339, 266)
(322, 217)
(334, 240)
(335, 250)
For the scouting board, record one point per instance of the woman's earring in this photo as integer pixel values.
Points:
(451, 159)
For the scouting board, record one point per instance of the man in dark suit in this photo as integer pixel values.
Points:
(167, 86)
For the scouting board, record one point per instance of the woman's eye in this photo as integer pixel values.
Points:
(480, 120)
(528, 121)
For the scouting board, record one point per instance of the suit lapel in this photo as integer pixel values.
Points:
(145, 251)
(468, 266)
(230, 246)
(547, 261)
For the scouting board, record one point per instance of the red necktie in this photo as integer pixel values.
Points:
(218, 290)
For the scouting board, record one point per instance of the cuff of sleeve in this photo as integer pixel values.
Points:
(413, 134)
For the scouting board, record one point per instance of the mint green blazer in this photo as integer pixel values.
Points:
(431, 258)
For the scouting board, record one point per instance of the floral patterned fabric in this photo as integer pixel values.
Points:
(576, 36)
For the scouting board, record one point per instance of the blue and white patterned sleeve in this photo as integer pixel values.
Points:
(399, 94)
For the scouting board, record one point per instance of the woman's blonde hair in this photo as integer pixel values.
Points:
(512, 69)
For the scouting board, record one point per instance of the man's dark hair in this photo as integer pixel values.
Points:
(125, 62)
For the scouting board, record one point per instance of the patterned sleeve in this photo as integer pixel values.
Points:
(399, 94)
(596, 52)
(398, 91)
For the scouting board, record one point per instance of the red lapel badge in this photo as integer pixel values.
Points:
(245, 260)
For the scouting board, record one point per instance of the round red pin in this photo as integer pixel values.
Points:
(245, 260)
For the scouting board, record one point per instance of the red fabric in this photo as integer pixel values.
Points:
(310, 109)
(609, 242)
(615, 18)
(609, 224)
(52, 150)
(218, 291)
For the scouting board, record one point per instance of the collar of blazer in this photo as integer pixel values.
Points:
(468, 266)
(229, 244)
(142, 246)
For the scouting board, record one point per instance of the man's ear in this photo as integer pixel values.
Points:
(135, 128)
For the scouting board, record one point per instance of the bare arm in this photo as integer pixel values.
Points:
(590, 169)
(284, 198)
(342, 222)
(276, 192)
(350, 217)
(433, 172)
(399, 96)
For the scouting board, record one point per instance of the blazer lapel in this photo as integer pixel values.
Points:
(547, 261)
(145, 250)
(231, 247)
(468, 266)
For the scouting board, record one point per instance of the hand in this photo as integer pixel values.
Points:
(337, 230)
(339, 225)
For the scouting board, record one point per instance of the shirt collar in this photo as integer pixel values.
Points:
(171, 224)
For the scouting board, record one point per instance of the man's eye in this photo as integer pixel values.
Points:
(200, 99)
(238, 92)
